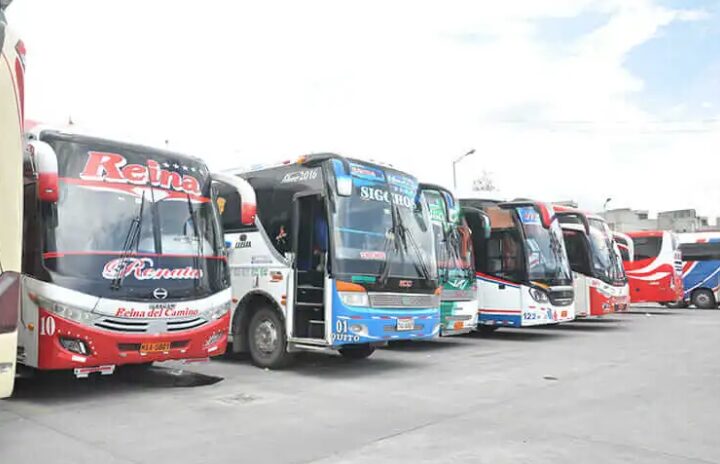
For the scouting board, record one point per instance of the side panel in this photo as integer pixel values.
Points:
(582, 295)
(499, 301)
(656, 280)
(11, 187)
(256, 267)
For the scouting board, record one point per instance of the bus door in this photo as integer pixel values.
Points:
(498, 262)
(311, 249)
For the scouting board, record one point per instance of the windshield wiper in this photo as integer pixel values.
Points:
(199, 251)
(132, 240)
(407, 235)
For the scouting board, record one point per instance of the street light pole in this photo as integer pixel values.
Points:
(606, 203)
(456, 162)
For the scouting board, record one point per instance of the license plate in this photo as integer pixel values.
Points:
(155, 347)
(405, 324)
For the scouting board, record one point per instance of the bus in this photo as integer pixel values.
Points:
(12, 88)
(523, 273)
(456, 267)
(701, 268)
(599, 279)
(340, 258)
(654, 267)
(123, 259)
(626, 247)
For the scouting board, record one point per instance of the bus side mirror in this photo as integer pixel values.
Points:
(46, 169)
(487, 229)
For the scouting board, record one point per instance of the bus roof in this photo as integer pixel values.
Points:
(78, 137)
(305, 159)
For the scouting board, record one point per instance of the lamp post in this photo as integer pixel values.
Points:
(606, 203)
(456, 162)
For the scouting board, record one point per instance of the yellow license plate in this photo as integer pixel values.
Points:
(155, 347)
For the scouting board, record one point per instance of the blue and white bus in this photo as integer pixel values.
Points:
(340, 257)
(701, 268)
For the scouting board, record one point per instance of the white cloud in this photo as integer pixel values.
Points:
(409, 82)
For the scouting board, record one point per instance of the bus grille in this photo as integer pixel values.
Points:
(403, 300)
(561, 297)
(458, 295)
(117, 324)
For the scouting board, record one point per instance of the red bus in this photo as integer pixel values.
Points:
(655, 269)
(599, 278)
(123, 259)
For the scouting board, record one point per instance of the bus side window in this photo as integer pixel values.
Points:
(494, 256)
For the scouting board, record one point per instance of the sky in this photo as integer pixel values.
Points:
(561, 99)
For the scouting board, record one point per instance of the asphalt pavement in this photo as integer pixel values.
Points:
(642, 387)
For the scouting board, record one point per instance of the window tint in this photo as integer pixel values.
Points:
(577, 251)
(700, 251)
(647, 247)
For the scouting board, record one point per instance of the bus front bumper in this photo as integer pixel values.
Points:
(76, 346)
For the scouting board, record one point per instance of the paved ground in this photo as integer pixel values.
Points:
(640, 387)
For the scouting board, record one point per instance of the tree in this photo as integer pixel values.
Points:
(484, 183)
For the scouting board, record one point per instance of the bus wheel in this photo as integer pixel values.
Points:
(704, 299)
(356, 351)
(267, 340)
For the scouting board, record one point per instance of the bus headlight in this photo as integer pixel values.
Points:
(354, 298)
(539, 295)
(217, 312)
(73, 313)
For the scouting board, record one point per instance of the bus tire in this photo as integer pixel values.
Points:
(704, 299)
(356, 351)
(267, 340)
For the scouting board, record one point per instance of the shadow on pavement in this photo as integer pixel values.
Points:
(654, 312)
(584, 326)
(330, 366)
(63, 385)
(422, 346)
(520, 335)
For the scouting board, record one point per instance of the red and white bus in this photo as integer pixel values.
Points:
(12, 67)
(654, 267)
(599, 279)
(124, 259)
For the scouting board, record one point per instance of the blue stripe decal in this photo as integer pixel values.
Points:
(506, 320)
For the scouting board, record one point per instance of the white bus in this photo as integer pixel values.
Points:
(12, 88)
(523, 273)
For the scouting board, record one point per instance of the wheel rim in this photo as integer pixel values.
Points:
(703, 299)
(266, 337)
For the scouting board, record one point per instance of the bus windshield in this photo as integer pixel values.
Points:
(367, 232)
(607, 261)
(88, 241)
(545, 256)
(453, 242)
(601, 251)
